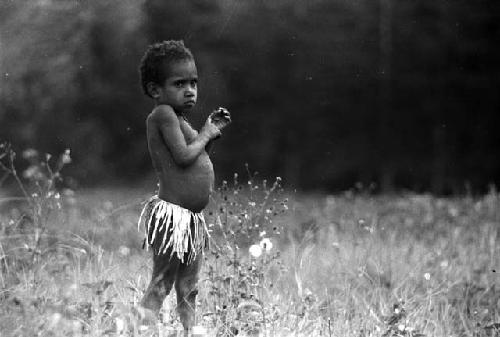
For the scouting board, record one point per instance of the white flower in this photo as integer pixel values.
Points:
(199, 330)
(68, 192)
(30, 153)
(65, 157)
(31, 171)
(77, 327)
(54, 320)
(266, 244)
(453, 211)
(255, 250)
(70, 291)
(124, 251)
(120, 325)
(427, 276)
(108, 205)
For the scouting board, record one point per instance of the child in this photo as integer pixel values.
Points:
(174, 225)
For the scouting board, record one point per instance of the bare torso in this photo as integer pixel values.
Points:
(188, 187)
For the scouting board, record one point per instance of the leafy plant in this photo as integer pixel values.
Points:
(242, 255)
(38, 185)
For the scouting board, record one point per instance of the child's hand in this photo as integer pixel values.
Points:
(221, 117)
(211, 129)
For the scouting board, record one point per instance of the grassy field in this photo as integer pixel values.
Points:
(280, 264)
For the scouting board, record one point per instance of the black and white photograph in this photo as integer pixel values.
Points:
(249, 168)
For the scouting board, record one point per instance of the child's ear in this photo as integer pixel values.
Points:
(153, 90)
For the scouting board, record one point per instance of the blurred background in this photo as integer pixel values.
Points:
(327, 94)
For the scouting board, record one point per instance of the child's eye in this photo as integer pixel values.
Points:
(178, 84)
(194, 83)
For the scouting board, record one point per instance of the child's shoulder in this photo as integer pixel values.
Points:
(161, 114)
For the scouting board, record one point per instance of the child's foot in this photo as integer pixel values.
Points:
(145, 316)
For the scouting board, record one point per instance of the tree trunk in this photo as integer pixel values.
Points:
(385, 132)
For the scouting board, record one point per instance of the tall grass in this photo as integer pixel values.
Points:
(279, 264)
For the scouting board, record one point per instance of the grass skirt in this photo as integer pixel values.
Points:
(173, 229)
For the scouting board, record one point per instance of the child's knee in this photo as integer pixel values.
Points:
(187, 289)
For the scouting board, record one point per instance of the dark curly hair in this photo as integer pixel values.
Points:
(151, 67)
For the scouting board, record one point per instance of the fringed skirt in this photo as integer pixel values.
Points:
(172, 229)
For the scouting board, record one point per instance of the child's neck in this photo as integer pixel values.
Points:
(181, 114)
(177, 112)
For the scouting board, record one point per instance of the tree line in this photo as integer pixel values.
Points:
(324, 93)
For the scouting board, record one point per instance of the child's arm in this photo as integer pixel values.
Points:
(222, 118)
(210, 146)
(183, 154)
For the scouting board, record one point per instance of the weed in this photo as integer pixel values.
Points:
(342, 265)
(40, 194)
(242, 264)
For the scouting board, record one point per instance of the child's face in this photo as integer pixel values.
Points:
(180, 89)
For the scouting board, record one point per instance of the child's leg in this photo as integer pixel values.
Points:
(163, 277)
(186, 289)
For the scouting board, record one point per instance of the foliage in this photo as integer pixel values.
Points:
(60, 74)
(325, 93)
(41, 196)
(339, 265)
(242, 260)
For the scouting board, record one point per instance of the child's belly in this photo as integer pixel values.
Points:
(189, 187)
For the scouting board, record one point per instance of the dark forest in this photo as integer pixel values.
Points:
(327, 94)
